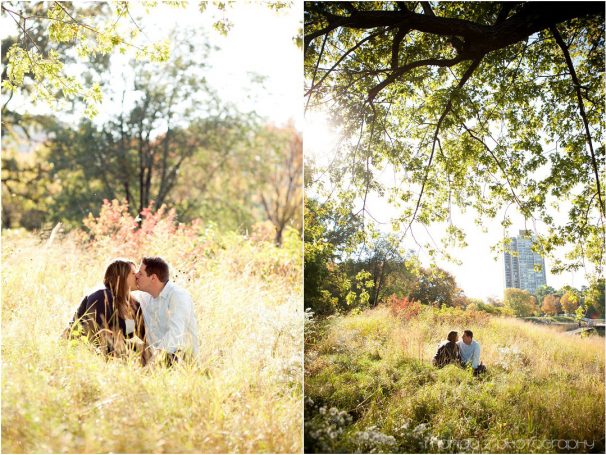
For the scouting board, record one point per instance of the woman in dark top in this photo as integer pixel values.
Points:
(448, 351)
(110, 317)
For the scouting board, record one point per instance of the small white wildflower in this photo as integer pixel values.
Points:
(420, 428)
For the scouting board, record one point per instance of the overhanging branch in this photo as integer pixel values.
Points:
(373, 92)
(577, 88)
(474, 65)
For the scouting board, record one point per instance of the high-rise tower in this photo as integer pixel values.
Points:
(520, 270)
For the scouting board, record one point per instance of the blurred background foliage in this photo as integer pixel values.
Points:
(174, 141)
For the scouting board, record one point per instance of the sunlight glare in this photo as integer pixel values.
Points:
(321, 138)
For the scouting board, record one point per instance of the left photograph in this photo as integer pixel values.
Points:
(152, 215)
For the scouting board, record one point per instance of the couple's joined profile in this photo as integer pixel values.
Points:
(465, 352)
(141, 311)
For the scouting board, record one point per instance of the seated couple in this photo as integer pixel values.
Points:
(464, 353)
(158, 321)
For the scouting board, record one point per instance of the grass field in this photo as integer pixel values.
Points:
(244, 395)
(370, 386)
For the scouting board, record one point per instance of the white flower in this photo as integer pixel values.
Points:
(420, 428)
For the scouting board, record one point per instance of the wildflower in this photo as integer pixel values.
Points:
(420, 428)
(372, 439)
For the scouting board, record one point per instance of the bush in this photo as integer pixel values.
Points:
(403, 307)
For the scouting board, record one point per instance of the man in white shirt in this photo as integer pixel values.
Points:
(470, 352)
(170, 323)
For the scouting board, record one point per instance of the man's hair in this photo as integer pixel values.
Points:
(155, 265)
(452, 336)
(469, 333)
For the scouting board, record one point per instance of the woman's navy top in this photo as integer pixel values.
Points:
(98, 309)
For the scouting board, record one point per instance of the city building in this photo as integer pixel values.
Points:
(526, 269)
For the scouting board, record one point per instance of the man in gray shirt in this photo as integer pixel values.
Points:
(170, 323)
(470, 352)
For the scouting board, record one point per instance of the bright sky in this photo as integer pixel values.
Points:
(260, 42)
(480, 275)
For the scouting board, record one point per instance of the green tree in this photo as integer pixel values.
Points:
(460, 97)
(434, 286)
(26, 192)
(53, 34)
(520, 302)
(490, 308)
(595, 299)
(49, 31)
(176, 123)
(390, 271)
(401, 279)
(570, 301)
(329, 231)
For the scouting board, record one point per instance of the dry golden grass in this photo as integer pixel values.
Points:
(244, 395)
(370, 386)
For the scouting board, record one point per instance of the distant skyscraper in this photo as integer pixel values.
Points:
(520, 270)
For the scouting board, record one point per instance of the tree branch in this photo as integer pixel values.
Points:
(474, 65)
(373, 92)
(506, 8)
(427, 9)
(328, 71)
(491, 153)
(395, 46)
(313, 79)
(577, 87)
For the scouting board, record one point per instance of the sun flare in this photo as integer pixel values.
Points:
(322, 138)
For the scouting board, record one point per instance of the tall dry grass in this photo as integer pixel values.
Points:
(370, 386)
(243, 396)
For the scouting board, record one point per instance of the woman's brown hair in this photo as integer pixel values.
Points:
(116, 277)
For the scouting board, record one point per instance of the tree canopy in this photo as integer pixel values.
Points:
(478, 105)
(51, 34)
(167, 136)
(521, 302)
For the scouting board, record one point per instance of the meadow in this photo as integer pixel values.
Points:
(370, 386)
(245, 393)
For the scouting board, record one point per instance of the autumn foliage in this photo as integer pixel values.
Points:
(403, 307)
(551, 305)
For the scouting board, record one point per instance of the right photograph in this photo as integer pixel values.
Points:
(454, 227)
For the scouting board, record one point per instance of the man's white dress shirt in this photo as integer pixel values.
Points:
(470, 353)
(170, 323)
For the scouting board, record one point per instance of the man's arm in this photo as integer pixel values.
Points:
(475, 359)
(179, 308)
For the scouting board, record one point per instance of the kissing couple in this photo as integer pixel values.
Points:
(139, 311)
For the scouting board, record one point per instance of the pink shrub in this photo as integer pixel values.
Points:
(403, 307)
(117, 230)
(190, 250)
